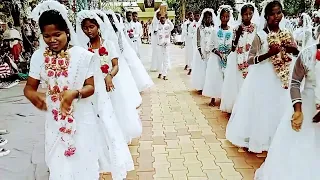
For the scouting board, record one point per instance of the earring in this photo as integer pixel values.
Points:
(99, 32)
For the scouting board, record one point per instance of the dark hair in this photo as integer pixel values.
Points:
(9, 24)
(128, 12)
(93, 21)
(224, 10)
(206, 14)
(245, 7)
(112, 22)
(134, 13)
(269, 7)
(197, 12)
(53, 17)
(190, 13)
(118, 16)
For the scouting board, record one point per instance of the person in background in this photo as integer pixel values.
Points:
(137, 33)
(187, 40)
(14, 37)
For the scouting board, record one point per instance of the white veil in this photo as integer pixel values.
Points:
(231, 22)
(255, 18)
(54, 5)
(214, 17)
(87, 14)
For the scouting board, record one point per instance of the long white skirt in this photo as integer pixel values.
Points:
(214, 78)
(232, 83)
(198, 71)
(189, 52)
(128, 87)
(139, 73)
(154, 58)
(258, 109)
(294, 155)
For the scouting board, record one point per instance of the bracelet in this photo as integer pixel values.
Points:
(256, 60)
(235, 45)
(109, 73)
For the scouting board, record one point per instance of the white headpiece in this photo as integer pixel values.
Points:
(255, 18)
(316, 14)
(54, 5)
(109, 31)
(87, 14)
(121, 25)
(214, 17)
(231, 20)
(115, 19)
(263, 21)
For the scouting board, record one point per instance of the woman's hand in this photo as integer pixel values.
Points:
(274, 50)
(239, 32)
(109, 83)
(39, 100)
(218, 54)
(66, 98)
(296, 121)
(289, 48)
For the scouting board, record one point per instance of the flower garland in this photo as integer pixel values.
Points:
(56, 66)
(130, 33)
(104, 59)
(281, 62)
(243, 48)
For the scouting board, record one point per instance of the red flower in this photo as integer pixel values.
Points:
(70, 151)
(60, 62)
(65, 88)
(56, 89)
(55, 118)
(194, 25)
(50, 73)
(63, 117)
(91, 50)
(54, 98)
(105, 68)
(68, 131)
(70, 120)
(240, 50)
(65, 73)
(103, 51)
(58, 73)
(55, 112)
(318, 55)
(47, 59)
(67, 63)
(53, 61)
(131, 30)
(62, 129)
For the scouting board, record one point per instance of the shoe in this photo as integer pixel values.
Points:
(3, 141)
(3, 131)
(4, 152)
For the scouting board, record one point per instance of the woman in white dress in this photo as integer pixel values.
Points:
(294, 151)
(220, 46)
(139, 73)
(303, 34)
(70, 75)
(131, 93)
(205, 27)
(88, 26)
(264, 94)
(237, 65)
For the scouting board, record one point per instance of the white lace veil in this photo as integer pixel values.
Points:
(54, 5)
(231, 22)
(121, 25)
(87, 14)
(214, 17)
(307, 28)
(255, 18)
(109, 31)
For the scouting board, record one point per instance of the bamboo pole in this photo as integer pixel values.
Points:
(183, 10)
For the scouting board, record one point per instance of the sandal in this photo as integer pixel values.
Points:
(3, 131)
(4, 152)
(3, 141)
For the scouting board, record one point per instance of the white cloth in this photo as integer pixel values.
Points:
(285, 159)
(190, 43)
(164, 66)
(154, 44)
(259, 107)
(84, 164)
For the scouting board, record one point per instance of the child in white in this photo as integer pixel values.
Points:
(165, 27)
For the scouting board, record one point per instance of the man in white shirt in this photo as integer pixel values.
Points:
(165, 27)
(191, 37)
(135, 31)
(187, 40)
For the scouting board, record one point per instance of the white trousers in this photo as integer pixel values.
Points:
(163, 57)
(136, 46)
(154, 60)
(189, 52)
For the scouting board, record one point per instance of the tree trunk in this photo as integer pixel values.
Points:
(183, 10)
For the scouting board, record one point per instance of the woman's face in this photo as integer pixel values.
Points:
(55, 38)
(300, 22)
(208, 20)
(90, 29)
(275, 16)
(247, 16)
(224, 17)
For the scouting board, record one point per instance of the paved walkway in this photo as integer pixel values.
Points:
(183, 138)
